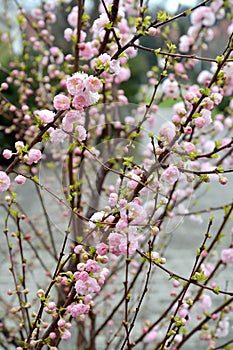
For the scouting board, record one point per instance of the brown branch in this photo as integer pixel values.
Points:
(36, 140)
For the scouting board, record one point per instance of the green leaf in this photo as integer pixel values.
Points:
(162, 16)
(92, 250)
(199, 276)
(128, 161)
(108, 25)
(220, 169)
(157, 51)
(14, 213)
(35, 179)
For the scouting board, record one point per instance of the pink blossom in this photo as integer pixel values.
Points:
(88, 50)
(92, 97)
(217, 98)
(209, 146)
(179, 67)
(183, 311)
(96, 217)
(209, 35)
(170, 87)
(227, 256)
(70, 118)
(54, 50)
(4, 86)
(188, 130)
(189, 147)
(122, 224)
(223, 180)
(120, 244)
(206, 114)
(5, 37)
(204, 77)
(75, 84)
(206, 302)
(61, 102)
(113, 198)
(152, 335)
(56, 55)
(79, 102)
(104, 273)
(208, 103)
(223, 328)
(185, 43)
(80, 133)
(66, 335)
(81, 266)
(200, 122)
(100, 23)
(204, 119)
(134, 213)
(67, 124)
(114, 243)
(167, 131)
(104, 61)
(170, 175)
(34, 155)
(7, 153)
(78, 309)
(130, 244)
(73, 17)
(83, 276)
(176, 119)
(46, 116)
(92, 266)
(51, 305)
(52, 335)
(216, 5)
(207, 269)
(68, 32)
(203, 15)
(88, 298)
(133, 183)
(124, 75)
(20, 179)
(78, 249)
(87, 287)
(73, 116)
(153, 31)
(101, 249)
(19, 145)
(57, 136)
(4, 181)
(93, 84)
(61, 322)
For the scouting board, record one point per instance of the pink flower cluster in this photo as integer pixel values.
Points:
(170, 175)
(203, 16)
(64, 329)
(84, 89)
(121, 243)
(89, 275)
(79, 309)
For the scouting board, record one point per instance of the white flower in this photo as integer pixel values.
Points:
(97, 217)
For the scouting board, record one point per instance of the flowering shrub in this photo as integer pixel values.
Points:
(120, 180)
